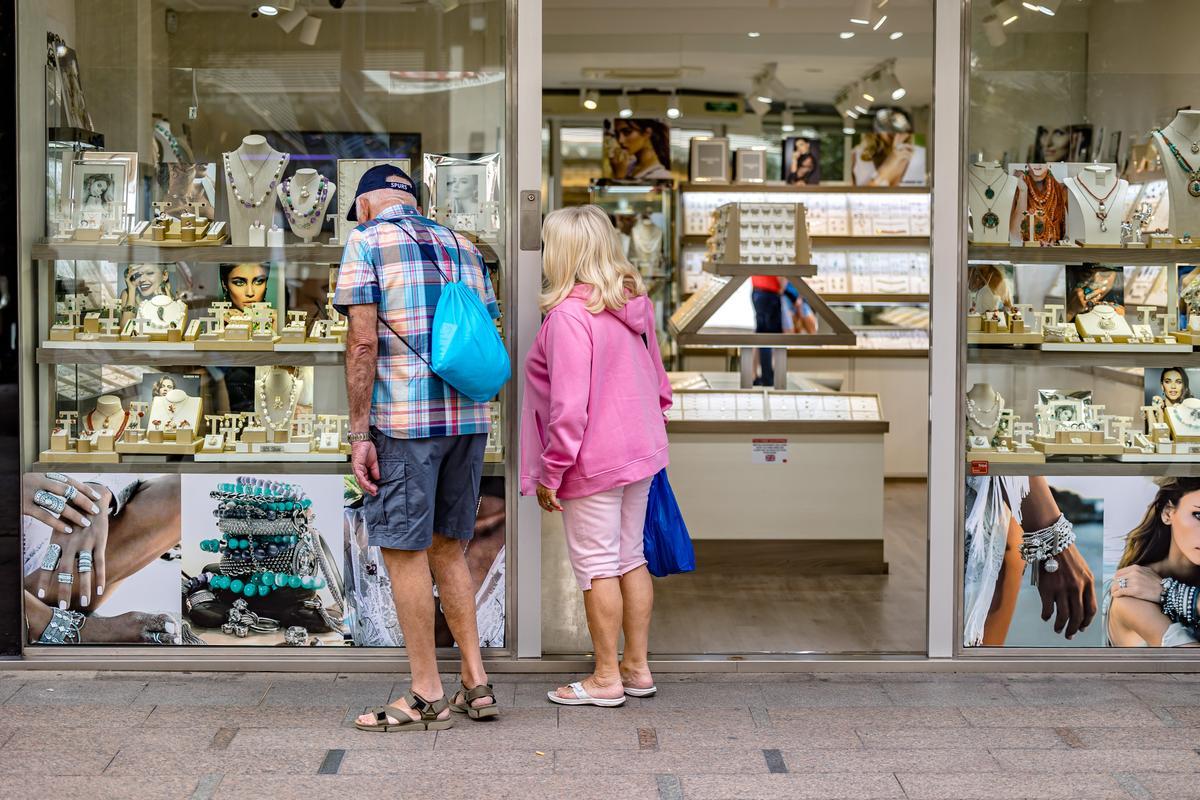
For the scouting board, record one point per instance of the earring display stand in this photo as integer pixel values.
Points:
(996, 327)
(172, 427)
(1169, 438)
(82, 447)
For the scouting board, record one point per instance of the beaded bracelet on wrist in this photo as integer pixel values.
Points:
(1041, 547)
(1179, 601)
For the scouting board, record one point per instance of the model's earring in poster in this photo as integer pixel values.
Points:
(349, 171)
(709, 160)
(464, 192)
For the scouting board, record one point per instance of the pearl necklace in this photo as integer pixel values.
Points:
(309, 217)
(973, 408)
(266, 410)
(253, 179)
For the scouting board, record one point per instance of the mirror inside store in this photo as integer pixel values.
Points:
(1082, 311)
(766, 166)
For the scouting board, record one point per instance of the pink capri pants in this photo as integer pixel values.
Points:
(604, 532)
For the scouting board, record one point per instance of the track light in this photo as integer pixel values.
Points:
(846, 34)
(993, 29)
(268, 10)
(879, 22)
(291, 19)
(1050, 7)
(787, 122)
(861, 14)
(848, 125)
(624, 107)
(673, 111)
(310, 30)
(896, 35)
(889, 86)
(590, 99)
(1006, 12)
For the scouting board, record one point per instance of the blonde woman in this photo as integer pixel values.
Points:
(593, 435)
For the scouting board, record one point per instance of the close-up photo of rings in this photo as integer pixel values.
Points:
(101, 558)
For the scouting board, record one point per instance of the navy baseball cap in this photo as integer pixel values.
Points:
(380, 177)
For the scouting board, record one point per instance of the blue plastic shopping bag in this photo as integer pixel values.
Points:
(668, 547)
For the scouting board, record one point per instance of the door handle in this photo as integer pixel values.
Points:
(530, 219)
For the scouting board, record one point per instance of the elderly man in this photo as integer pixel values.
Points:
(417, 444)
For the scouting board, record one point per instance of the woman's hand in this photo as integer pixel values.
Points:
(81, 527)
(83, 501)
(548, 499)
(1137, 581)
(891, 171)
(1069, 589)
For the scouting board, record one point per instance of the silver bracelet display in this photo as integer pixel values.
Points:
(1040, 548)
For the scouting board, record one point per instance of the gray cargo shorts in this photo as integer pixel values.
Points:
(425, 485)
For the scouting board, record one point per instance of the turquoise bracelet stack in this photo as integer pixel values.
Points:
(263, 583)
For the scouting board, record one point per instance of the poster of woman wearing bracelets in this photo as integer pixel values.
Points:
(100, 556)
(260, 563)
(1015, 525)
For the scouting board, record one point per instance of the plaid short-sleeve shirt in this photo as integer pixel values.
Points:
(393, 262)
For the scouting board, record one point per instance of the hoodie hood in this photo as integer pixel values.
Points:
(635, 314)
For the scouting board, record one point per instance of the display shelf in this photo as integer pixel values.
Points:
(151, 465)
(1120, 256)
(1096, 468)
(860, 352)
(839, 241)
(784, 188)
(123, 253)
(813, 427)
(1035, 357)
(876, 299)
(138, 355)
(750, 270)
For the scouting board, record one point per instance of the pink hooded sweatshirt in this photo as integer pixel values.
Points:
(595, 393)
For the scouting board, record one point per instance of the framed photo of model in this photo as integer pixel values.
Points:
(1051, 145)
(801, 161)
(74, 106)
(184, 185)
(750, 165)
(1089, 285)
(463, 192)
(636, 150)
(98, 192)
(1081, 143)
(157, 384)
(709, 160)
(889, 154)
(349, 171)
(127, 192)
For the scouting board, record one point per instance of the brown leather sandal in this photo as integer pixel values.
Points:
(428, 720)
(470, 696)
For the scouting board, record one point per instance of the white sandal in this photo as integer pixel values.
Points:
(582, 698)
(649, 691)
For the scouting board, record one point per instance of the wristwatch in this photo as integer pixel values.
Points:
(358, 437)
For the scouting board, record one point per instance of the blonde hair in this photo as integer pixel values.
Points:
(582, 246)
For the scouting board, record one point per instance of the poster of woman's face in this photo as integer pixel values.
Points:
(185, 185)
(460, 188)
(157, 384)
(1052, 144)
(636, 150)
(801, 161)
(72, 89)
(243, 284)
(97, 193)
(1170, 385)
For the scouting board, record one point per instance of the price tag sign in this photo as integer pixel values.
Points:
(768, 451)
(979, 468)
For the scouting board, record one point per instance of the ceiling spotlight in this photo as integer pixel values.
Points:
(673, 111)
(310, 30)
(852, 113)
(868, 93)
(268, 10)
(846, 34)
(993, 28)
(290, 20)
(861, 14)
(896, 35)
(879, 23)
(767, 88)
(1006, 12)
(590, 99)
(624, 107)
(848, 126)
(889, 85)
(788, 122)
(1050, 7)
(754, 34)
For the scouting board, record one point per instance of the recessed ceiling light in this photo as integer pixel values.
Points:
(268, 10)
(896, 35)
(754, 34)
(847, 34)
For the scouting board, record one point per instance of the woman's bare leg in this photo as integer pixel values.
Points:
(637, 595)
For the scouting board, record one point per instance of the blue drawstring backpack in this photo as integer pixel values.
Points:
(668, 548)
(466, 349)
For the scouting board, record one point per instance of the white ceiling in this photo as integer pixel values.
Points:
(706, 40)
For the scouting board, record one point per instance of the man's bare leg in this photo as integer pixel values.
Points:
(457, 593)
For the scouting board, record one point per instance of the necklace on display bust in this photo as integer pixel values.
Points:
(991, 220)
(1047, 205)
(1194, 143)
(974, 411)
(251, 190)
(1100, 207)
(1193, 175)
(279, 404)
(309, 216)
(106, 422)
(989, 193)
(1107, 316)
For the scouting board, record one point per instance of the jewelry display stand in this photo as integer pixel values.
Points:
(1178, 146)
(251, 174)
(89, 446)
(252, 329)
(1018, 327)
(1097, 202)
(172, 427)
(1172, 434)
(1082, 431)
(305, 197)
(991, 199)
(994, 433)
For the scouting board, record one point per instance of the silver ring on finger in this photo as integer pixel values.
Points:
(57, 476)
(49, 501)
(1123, 583)
(85, 561)
(50, 560)
(65, 578)
(70, 493)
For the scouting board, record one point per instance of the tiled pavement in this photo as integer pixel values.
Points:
(705, 737)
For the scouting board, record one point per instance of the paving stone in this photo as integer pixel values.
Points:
(482, 762)
(46, 758)
(949, 693)
(247, 716)
(1072, 692)
(703, 696)
(234, 761)
(489, 736)
(1137, 716)
(878, 718)
(588, 719)
(1097, 761)
(83, 715)
(161, 787)
(694, 761)
(1165, 693)
(943, 738)
(86, 692)
(452, 786)
(341, 737)
(1164, 738)
(35, 675)
(333, 693)
(201, 693)
(103, 737)
(1174, 787)
(826, 694)
(778, 738)
(9, 688)
(871, 761)
(1183, 715)
(793, 786)
(1009, 786)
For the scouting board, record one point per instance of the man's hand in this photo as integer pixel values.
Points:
(365, 463)
(548, 499)
(1070, 589)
